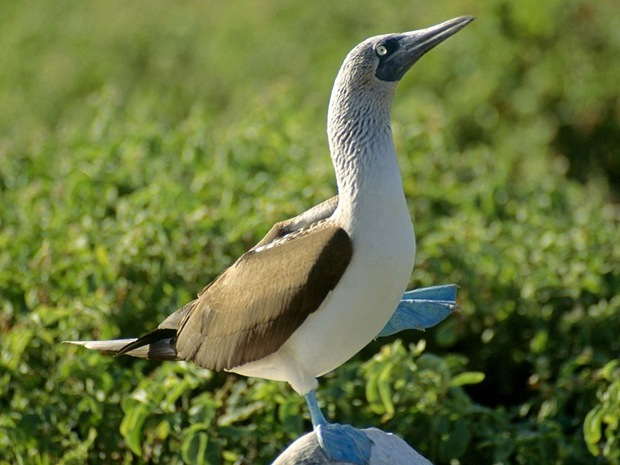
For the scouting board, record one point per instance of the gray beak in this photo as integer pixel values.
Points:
(407, 48)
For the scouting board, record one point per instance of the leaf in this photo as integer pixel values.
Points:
(131, 426)
(456, 443)
(162, 431)
(592, 429)
(372, 392)
(384, 387)
(469, 377)
(194, 447)
(13, 347)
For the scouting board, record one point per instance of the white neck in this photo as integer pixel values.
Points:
(362, 148)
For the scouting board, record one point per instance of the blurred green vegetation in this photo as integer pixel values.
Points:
(144, 145)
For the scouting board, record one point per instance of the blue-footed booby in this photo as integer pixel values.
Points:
(318, 287)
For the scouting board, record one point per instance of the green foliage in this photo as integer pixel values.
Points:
(421, 396)
(602, 421)
(145, 145)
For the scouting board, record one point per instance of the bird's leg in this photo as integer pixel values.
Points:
(422, 308)
(340, 443)
(315, 411)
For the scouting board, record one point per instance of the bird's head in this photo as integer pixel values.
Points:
(361, 99)
(385, 59)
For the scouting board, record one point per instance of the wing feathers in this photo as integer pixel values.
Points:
(251, 309)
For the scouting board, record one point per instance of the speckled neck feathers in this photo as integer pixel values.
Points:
(360, 134)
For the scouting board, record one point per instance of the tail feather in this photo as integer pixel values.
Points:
(156, 345)
(111, 347)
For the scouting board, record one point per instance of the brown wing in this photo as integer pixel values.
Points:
(252, 308)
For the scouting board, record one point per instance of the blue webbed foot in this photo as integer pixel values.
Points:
(343, 443)
(422, 308)
(340, 443)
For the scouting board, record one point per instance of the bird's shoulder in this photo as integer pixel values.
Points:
(300, 224)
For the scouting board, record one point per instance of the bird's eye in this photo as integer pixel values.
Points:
(381, 50)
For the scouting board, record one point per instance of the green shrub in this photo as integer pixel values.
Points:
(145, 146)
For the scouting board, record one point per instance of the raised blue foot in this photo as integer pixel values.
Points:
(340, 443)
(422, 308)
